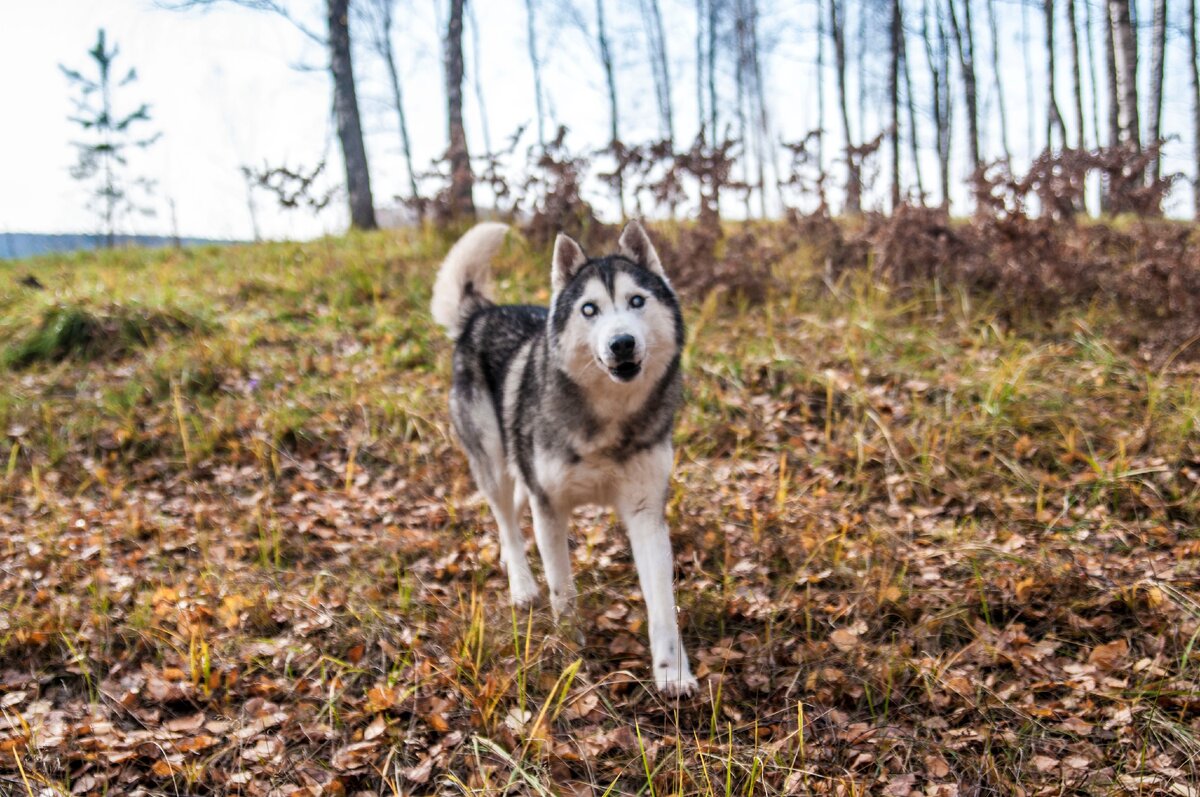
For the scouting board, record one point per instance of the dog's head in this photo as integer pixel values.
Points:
(614, 317)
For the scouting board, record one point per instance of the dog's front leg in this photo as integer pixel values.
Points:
(650, 540)
(550, 531)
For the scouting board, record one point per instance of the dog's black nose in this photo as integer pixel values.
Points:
(622, 347)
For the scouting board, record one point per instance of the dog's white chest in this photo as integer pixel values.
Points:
(586, 481)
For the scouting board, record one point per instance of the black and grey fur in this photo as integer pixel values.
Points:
(572, 405)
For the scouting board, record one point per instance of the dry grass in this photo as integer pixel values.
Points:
(920, 550)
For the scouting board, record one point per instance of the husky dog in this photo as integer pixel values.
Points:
(572, 405)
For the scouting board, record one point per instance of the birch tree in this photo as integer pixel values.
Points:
(1076, 76)
(1054, 120)
(1125, 68)
(1158, 47)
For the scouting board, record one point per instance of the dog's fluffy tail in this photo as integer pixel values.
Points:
(464, 282)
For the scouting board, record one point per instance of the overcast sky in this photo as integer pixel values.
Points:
(230, 87)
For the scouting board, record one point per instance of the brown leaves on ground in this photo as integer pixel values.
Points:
(919, 551)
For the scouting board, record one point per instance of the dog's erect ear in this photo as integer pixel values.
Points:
(635, 245)
(568, 257)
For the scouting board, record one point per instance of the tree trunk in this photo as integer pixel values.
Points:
(860, 57)
(462, 181)
(1094, 80)
(894, 100)
(477, 80)
(613, 119)
(1000, 104)
(939, 72)
(1108, 199)
(965, 41)
(349, 126)
(1125, 51)
(741, 80)
(383, 45)
(853, 177)
(712, 69)
(766, 142)
(1194, 41)
(913, 135)
(821, 97)
(535, 62)
(1054, 120)
(1157, 53)
(1110, 63)
(1027, 59)
(701, 115)
(657, 39)
(1076, 75)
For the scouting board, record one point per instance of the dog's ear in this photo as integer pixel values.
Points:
(635, 245)
(568, 257)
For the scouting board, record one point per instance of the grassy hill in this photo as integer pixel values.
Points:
(921, 548)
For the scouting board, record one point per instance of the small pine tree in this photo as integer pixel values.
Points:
(109, 139)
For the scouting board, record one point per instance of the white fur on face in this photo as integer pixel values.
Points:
(585, 342)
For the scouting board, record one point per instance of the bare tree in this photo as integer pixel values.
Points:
(714, 15)
(939, 74)
(1108, 199)
(913, 135)
(349, 123)
(379, 18)
(1093, 77)
(853, 172)
(1110, 74)
(462, 181)
(1125, 52)
(821, 91)
(535, 61)
(701, 18)
(1076, 76)
(741, 82)
(965, 41)
(1158, 47)
(1054, 120)
(614, 126)
(999, 84)
(1194, 63)
(752, 107)
(894, 35)
(476, 72)
(336, 40)
(1027, 59)
(656, 37)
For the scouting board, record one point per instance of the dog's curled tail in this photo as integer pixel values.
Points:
(464, 282)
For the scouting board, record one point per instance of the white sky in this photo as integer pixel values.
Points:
(225, 91)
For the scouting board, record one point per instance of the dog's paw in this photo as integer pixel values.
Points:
(676, 682)
(522, 591)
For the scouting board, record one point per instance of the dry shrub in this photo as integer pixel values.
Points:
(1034, 265)
(551, 194)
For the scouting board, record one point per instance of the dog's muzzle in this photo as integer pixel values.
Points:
(624, 352)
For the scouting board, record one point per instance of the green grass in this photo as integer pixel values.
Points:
(903, 527)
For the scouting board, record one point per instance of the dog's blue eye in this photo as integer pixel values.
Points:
(589, 309)
(637, 301)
